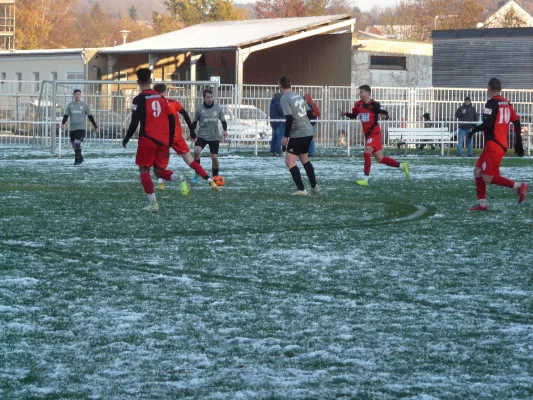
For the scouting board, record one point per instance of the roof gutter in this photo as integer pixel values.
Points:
(166, 51)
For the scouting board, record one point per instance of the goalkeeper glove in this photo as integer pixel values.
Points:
(125, 142)
(470, 134)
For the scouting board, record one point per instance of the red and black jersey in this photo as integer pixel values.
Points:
(175, 107)
(151, 109)
(498, 114)
(368, 114)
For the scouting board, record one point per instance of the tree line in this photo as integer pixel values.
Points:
(58, 24)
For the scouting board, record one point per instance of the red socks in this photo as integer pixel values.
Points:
(146, 181)
(198, 169)
(165, 174)
(368, 163)
(481, 189)
(391, 162)
(501, 181)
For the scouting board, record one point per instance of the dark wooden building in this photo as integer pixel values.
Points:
(469, 58)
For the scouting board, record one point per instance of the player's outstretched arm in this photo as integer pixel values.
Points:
(225, 128)
(489, 116)
(172, 128)
(131, 130)
(91, 118)
(137, 109)
(187, 118)
(349, 115)
(518, 146)
(288, 126)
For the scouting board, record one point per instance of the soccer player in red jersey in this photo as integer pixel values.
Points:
(368, 111)
(156, 135)
(180, 145)
(498, 115)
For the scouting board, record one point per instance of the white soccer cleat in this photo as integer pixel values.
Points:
(315, 190)
(300, 193)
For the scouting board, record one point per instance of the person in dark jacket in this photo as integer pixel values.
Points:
(278, 126)
(465, 113)
(427, 124)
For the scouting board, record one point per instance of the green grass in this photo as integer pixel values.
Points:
(394, 291)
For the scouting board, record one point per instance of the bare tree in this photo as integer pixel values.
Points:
(280, 8)
(420, 17)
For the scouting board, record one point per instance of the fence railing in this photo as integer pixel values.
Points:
(31, 112)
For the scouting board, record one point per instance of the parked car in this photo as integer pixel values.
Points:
(109, 123)
(26, 114)
(246, 119)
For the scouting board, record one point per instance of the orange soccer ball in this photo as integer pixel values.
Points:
(219, 180)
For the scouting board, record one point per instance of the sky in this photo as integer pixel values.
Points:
(364, 5)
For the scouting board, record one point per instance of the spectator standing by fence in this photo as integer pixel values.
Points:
(278, 126)
(466, 113)
(427, 124)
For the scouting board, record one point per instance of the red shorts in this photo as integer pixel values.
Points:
(374, 141)
(490, 160)
(149, 154)
(180, 145)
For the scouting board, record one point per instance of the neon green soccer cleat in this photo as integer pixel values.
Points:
(161, 186)
(405, 168)
(362, 182)
(184, 189)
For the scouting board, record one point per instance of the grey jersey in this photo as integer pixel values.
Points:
(77, 113)
(295, 105)
(207, 119)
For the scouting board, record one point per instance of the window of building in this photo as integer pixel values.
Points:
(3, 77)
(75, 76)
(53, 76)
(387, 62)
(36, 78)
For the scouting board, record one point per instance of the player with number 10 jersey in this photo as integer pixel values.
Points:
(497, 117)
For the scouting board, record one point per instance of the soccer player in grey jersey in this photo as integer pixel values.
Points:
(206, 119)
(78, 111)
(297, 137)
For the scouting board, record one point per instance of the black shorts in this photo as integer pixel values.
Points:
(77, 135)
(213, 144)
(298, 146)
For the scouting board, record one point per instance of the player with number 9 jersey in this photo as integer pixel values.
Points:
(150, 109)
(155, 136)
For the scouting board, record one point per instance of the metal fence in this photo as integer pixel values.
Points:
(31, 112)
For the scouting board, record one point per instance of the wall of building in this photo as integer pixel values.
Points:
(417, 73)
(45, 65)
(318, 60)
(176, 67)
(471, 62)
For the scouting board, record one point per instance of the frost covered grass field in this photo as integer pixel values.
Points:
(394, 291)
